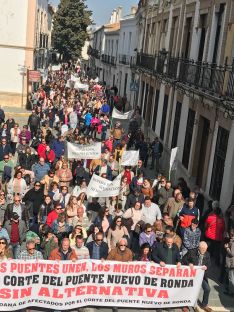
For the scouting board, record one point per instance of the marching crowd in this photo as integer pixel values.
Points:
(45, 212)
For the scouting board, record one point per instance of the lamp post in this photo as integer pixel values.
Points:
(23, 72)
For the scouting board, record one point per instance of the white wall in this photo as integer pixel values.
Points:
(11, 80)
(13, 22)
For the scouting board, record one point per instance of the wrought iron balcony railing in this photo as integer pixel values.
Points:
(124, 59)
(107, 59)
(204, 77)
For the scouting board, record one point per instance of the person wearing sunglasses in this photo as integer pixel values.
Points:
(121, 252)
(5, 148)
(147, 236)
(53, 215)
(98, 249)
(18, 207)
(4, 249)
(16, 230)
(30, 253)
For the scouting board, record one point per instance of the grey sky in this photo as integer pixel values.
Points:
(102, 8)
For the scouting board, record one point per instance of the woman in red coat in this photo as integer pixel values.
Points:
(48, 154)
(214, 229)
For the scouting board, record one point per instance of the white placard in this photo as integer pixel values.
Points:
(100, 187)
(88, 151)
(119, 115)
(130, 158)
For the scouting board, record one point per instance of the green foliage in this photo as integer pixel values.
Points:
(70, 28)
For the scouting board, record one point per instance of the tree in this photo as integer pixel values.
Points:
(70, 28)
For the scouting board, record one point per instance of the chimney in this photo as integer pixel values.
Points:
(133, 10)
(120, 12)
(114, 16)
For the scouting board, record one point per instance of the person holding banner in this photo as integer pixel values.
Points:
(98, 249)
(121, 252)
(200, 256)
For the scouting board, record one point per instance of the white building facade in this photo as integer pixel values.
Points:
(25, 26)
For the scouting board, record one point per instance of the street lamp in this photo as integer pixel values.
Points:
(23, 72)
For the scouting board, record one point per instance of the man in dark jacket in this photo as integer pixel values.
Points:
(104, 169)
(34, 197)
(133, 198)
(166, 252)
(157, 150)
(16, 229)
(18, 208)
(58, 147)
(5, 149)
(33, 123)
(201, 257)
(98, 249)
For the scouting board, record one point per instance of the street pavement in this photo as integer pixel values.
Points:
(217, 301)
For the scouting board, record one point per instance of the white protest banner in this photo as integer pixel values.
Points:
(88, 151)
(81, 86)
(130, 158)
(67, 285)
(100, 187)
(173, 159)
(56, 67)
(119, 115)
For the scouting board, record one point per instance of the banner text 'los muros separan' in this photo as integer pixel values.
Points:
(66, 285)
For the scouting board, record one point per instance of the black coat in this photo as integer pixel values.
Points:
(159, 253)
(33, 121)
(9, 211)
(4, 151)
(132, 199)
(192, 256)
(26, 160)
(103, 250)
(36, 198)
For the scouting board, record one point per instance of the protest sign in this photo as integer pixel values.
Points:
(88, 151)
(56, 67)
(173, 159)
(100, 187)
(130, 158)
(119, 115)
(66, 285)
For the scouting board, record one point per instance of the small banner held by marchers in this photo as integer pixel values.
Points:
(119, 115)
(130, 158)
(67, 285)
(88, 151)
(100, 187)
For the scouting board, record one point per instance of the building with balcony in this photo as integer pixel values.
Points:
(185, 67)
(25, 32)
(112, 50)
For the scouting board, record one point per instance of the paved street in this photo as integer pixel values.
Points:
(218, 301)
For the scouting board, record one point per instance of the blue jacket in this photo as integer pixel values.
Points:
(4, 234)
(98, 221)
(105, 108)
(103, 250)
(58, 147)
(40, 171)
(88, 118)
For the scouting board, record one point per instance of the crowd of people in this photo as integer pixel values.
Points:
(45, 212)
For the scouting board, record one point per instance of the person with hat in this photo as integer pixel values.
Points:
(16, 230)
